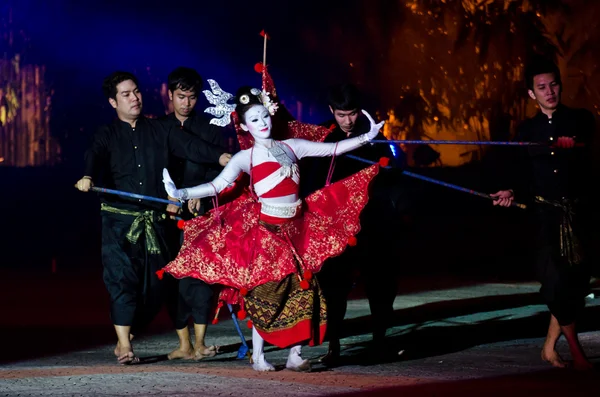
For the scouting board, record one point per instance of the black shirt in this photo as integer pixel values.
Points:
(385, 184)
(132, 159)
(187, 173)
(551, 172)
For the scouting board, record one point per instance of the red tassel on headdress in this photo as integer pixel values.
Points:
(384, 161)
(249, 324)
(307, 275)
(160, 273)
(259, 67)
(352, 241)
(243, 291)
(268, 85)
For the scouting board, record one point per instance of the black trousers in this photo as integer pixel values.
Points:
(371, 260)
(188, 297)
(194, 300)
(129, 273)
(563, 285)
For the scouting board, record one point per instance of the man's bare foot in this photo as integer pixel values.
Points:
(127, 356)
(553, 358)
(118, 347)
(331, 359)
(181, 353)
(201, 352)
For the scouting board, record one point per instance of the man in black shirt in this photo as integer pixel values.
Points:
(195, 296)
(556, 186)
(129, 155)
(371, 256)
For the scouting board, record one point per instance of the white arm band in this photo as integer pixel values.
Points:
(303, 148)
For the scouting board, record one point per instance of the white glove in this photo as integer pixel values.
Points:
(170, 186)
(374, 126)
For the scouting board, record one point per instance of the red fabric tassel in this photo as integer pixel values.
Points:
(384, 161)
(258, 67)
(160, 273)
(308, 275)
(180, 224)
(243, 291)
(304, 285)
(352, 241)
(249, 324)
(216, 318)
(241, 314)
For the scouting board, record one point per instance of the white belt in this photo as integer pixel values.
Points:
(287, 210)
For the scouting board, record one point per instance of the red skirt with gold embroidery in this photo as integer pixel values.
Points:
(229, 246)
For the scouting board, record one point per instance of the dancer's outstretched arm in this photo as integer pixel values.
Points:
(304, 148)
(238, 163)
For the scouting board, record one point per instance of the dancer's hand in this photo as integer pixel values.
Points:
(170, 186)
(84, 184)
(375, 127)
(503, 198)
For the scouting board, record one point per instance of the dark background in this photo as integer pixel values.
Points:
(314, 44)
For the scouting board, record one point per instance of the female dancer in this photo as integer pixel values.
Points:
(268, 243)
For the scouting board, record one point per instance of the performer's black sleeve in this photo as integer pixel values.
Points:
(520, 169)
(586, 134)
(192, 148)
(96, 155)
(217, 135)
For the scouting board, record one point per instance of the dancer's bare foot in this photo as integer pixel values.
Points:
(186, 353)
(202, 351)
(553, 358)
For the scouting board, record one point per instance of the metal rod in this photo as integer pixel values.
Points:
(438, 182)
(134, 195)
(243, 350)
(479, 143)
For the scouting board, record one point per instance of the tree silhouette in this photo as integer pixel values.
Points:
(454, 69)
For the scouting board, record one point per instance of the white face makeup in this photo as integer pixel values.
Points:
(258, 122)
